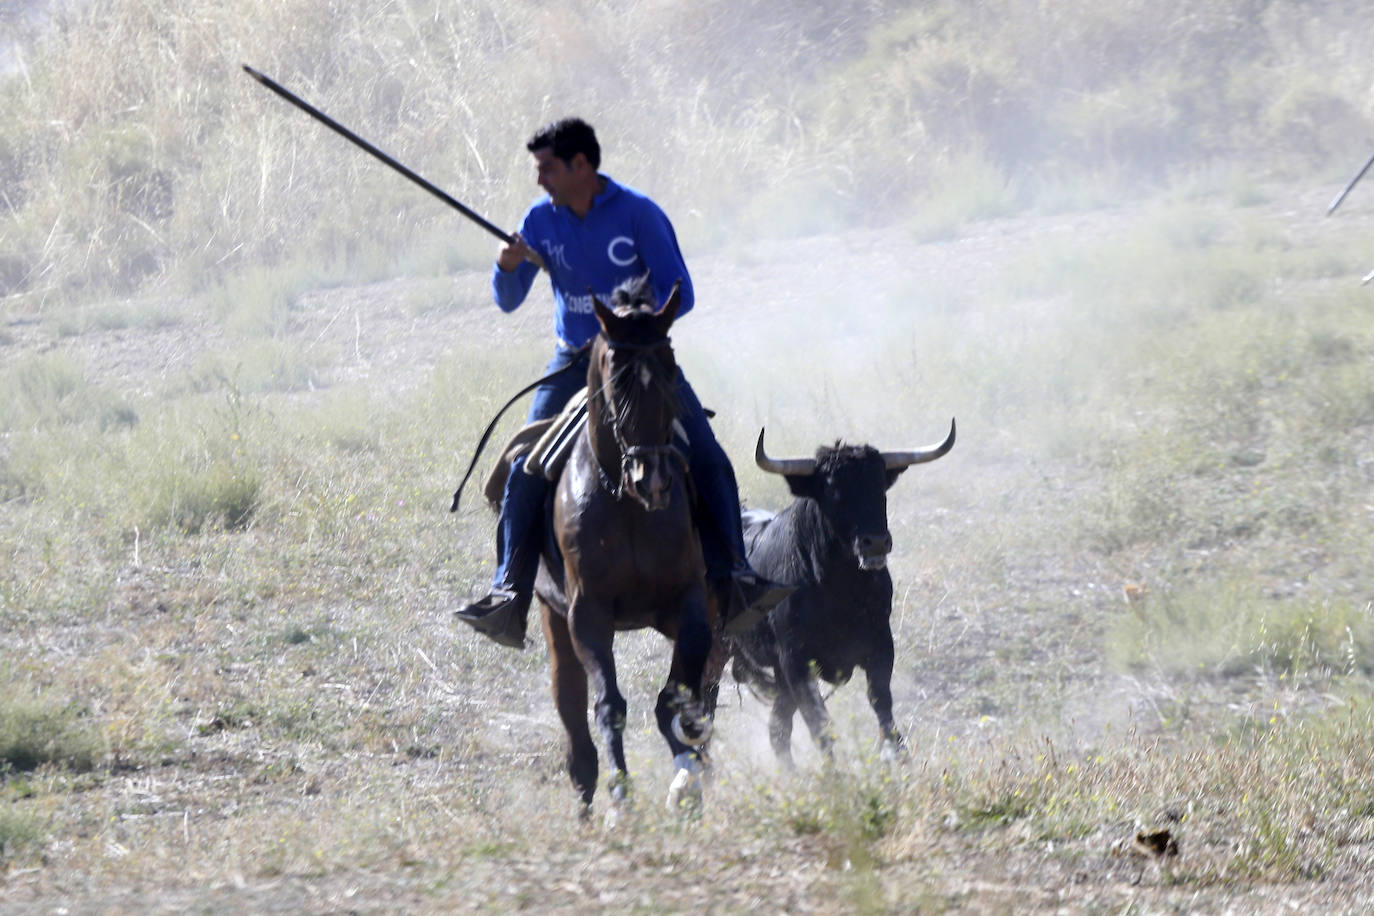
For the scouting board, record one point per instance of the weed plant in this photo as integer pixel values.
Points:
(37, 729)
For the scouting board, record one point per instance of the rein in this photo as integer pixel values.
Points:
(481, 443)
(629, 453)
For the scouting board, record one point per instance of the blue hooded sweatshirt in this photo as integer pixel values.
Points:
(623, 235)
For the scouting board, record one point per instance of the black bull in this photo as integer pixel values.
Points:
(832, 542)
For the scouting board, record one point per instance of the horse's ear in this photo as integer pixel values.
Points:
(604, 315)
(668, 313)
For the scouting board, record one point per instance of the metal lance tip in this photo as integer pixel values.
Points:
(1346, 190)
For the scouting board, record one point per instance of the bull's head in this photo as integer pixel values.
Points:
(850, 483)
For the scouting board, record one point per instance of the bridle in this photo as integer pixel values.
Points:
(615, 416)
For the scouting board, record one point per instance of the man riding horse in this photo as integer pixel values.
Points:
(591, 234)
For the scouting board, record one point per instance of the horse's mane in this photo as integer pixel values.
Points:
(635, 306)
(634, 298)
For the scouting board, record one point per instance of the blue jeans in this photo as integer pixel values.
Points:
(519, 531)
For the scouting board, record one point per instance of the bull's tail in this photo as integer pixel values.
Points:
(763, 685)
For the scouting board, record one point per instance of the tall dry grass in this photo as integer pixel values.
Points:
(137, 156)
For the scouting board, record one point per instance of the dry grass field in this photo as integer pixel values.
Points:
(1116, 612)
(242, 368)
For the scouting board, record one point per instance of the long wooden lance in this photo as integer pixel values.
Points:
(358, 141)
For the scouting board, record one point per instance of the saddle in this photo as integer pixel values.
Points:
(546, 445)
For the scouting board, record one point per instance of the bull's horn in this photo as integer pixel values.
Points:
(792, 466)
(898, 460)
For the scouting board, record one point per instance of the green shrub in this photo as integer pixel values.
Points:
(200, 464)
(45, 388)
(1233, 628)
(19, 834)
(38, 729)
(222, 494)
(39, 391)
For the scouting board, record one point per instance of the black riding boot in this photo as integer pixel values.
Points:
(501, 614)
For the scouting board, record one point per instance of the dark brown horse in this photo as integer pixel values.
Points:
(631, 558)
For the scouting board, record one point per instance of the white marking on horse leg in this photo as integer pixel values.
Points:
(684, 794)
(621, 800)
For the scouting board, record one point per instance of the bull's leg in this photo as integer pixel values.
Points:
(570, 699)
(780, 726)
(683, 718)
(591, 627)
(878, 671)
(799, 680)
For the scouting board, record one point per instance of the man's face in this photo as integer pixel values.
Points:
(557, 177)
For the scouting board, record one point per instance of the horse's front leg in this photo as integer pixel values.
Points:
(570, 699)
(682, 714)
(592, 627)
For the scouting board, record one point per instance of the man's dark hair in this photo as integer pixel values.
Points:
(567, 138)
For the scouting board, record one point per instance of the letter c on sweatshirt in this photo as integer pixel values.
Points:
(615, 243)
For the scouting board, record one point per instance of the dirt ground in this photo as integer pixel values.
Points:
(980, 661)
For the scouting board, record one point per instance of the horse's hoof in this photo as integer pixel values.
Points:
(685, 793)
(893, 751)
(621, 802)
(618, 790)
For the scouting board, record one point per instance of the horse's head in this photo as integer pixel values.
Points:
(632, 399)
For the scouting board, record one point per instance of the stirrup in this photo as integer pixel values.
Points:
(750, 597)
(761, 592)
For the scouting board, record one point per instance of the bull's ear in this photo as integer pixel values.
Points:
(803, 485)
(892, 477)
